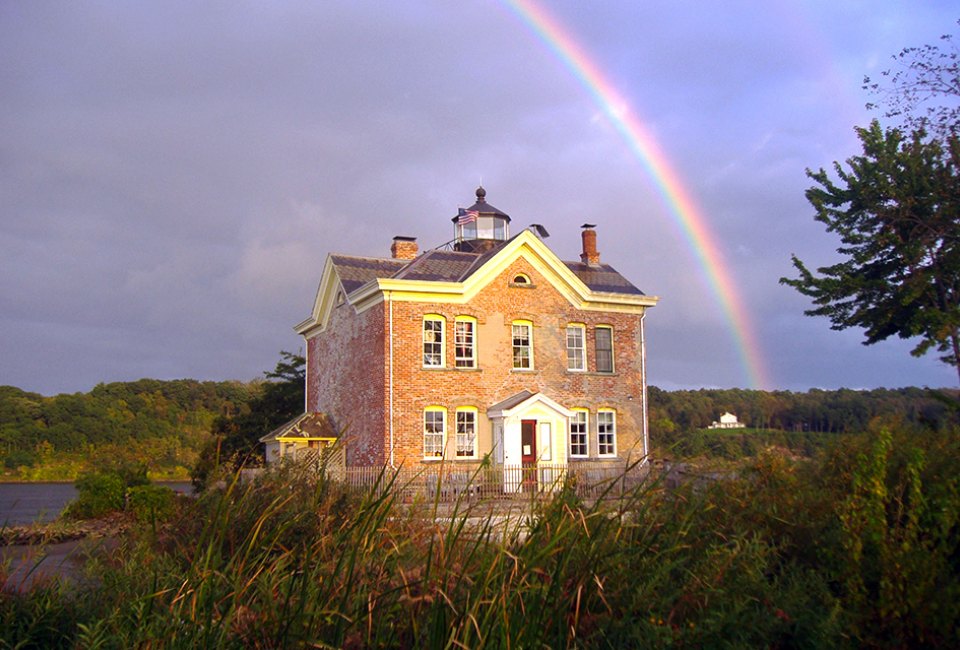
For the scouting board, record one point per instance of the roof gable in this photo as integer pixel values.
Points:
(523, 401)
(442, 275)
(449, 277)
(347, 273)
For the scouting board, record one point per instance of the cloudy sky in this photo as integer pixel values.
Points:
(173, 174)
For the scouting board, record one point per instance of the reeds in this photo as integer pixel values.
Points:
(305, 562)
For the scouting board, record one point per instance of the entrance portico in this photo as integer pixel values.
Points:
(529, 429)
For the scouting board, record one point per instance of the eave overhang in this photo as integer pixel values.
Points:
(526, 245)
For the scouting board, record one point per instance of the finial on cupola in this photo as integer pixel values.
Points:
(481, 195)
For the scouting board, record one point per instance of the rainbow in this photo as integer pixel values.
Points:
(681, 205)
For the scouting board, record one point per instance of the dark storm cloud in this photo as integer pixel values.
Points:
(172, 175)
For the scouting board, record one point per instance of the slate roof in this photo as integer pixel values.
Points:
(354, 272)
(603, 277)
(441, 265)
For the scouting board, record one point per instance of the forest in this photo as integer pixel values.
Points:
(822, 411)
(162, 424)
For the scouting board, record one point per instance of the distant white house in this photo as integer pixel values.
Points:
(728, 421)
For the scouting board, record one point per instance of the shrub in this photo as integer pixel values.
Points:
(19, 458)
(104, 491)
(98, 494)
(148, 502)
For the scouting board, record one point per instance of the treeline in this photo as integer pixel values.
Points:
(151, 421)
(821, 411)
(166, 424)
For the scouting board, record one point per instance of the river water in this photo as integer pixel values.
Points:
(24, 503)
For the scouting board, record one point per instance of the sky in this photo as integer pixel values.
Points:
(174, 174)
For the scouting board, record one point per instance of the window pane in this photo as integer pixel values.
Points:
(606, 433)
(578, 434)
(433, 342)
(604, 336)
(433, 432)
(485, 228)
(463, 341)
(575, 352)
(466, 433)
(522, 357)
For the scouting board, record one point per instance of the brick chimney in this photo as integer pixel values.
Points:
(404, 248)
(589, 255)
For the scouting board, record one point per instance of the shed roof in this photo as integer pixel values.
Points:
(309, 426)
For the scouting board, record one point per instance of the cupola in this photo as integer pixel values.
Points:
(480, 227)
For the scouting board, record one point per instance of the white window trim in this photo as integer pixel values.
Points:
(513, 348)
(613, 422)
(545, 440)
(443, 340)
(473, 346)
(613, 355)
(443, 433)
(586, 433)
(583, 346)
(476, 425)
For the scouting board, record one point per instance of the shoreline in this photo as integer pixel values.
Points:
(59, 531)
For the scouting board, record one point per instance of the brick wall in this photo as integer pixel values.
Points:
(346, 379)
(495, 307)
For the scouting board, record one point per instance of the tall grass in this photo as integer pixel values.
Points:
(775, 558)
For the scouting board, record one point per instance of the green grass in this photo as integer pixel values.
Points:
(856, 549)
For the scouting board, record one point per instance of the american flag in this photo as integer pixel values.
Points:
(467, 216)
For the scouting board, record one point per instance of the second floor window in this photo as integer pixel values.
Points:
(465, 343)
(604, 345)
(522, 346)
(576, 354)
(433, 342)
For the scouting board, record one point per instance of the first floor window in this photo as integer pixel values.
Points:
(576, 357)
(606, 433)
(578, 434)
(465, 343)
(433, 342)
(604, 349)
(434, 432)
(466, 433)
(522, 346)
